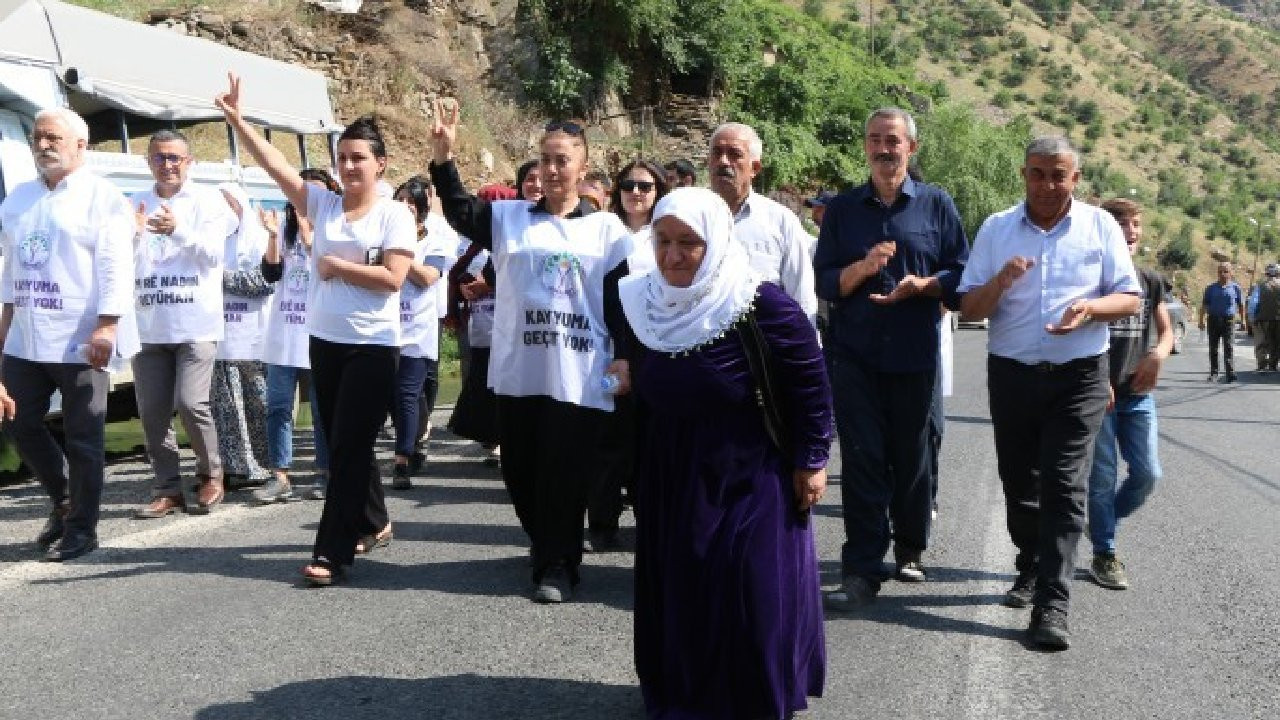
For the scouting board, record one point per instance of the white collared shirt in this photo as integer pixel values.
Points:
(780, 249)
(178, 283)
(69, 255)
(1083, 257)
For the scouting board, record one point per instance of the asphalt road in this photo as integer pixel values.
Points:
(204, 617)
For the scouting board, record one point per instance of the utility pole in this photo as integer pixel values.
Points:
(871, 28)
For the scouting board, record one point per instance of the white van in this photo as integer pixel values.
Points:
(142, 79)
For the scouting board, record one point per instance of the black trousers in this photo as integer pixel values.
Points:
(550, 461)
(882, 420)
(1046, 418)
(355, 386)
(617, 467)
(1222, 329)
(72, 474)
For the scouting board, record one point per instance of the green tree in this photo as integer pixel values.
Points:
(978, 163)
(1180, 252)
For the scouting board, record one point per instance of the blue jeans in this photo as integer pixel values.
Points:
(1130, 427)
(415, 376)
(282, 381)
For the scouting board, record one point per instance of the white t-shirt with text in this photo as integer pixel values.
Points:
(549, 334)
(69, 260)
(178, 285)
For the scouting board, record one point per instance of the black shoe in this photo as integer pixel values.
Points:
(53, 528)
(554, 587)
(601, 541)
(1048, 628)
(418, 463)
(854, 592)
(1231, 377)
(71, 547)
(910, 571)
(1019, 596)
(400, 478)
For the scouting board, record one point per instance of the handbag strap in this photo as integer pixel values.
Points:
(759, 362)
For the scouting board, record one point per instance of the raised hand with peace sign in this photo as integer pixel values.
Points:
(444, 129)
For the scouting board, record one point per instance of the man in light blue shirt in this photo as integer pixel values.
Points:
(1049, 273)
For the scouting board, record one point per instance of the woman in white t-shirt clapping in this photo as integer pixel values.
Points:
(287, 263)
(363, 247)
(551, 361)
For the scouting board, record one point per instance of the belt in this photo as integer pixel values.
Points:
(1050, 367)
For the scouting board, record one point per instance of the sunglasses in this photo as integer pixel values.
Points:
(162, 159)
(629, 185)
(566, 127)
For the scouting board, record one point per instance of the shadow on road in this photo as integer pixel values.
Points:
(454, 697)
(491, 577)
(912, 611)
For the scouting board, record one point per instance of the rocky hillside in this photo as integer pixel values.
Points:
(1173, 101)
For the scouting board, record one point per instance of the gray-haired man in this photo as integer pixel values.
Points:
(780, 249)
(1050, 272)
(68, 282)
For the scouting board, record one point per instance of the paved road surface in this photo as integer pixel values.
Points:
(205, 618)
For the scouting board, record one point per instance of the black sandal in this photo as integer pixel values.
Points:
(333, 573)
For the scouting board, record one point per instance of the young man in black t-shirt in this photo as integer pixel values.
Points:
(1130, 424)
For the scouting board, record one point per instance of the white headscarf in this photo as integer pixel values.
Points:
(244, 247)
(674, 319)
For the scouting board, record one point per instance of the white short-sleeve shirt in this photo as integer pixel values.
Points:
(342, 312)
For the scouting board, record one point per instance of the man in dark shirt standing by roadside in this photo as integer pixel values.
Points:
(1220, 302)
(1129, 428)
(887, 252)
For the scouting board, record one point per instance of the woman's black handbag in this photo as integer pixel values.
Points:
(760, 360)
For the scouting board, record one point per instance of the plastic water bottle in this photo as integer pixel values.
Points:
(610, 383)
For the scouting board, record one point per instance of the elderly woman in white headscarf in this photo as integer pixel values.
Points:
(239, 388)
(728, 610)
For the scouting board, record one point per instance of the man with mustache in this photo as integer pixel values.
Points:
(182, 230)
(779, 247)
(68, 299)
(889, 251)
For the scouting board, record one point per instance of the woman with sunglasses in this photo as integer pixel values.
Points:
(364, 245)
(551, 361)
(637, 188)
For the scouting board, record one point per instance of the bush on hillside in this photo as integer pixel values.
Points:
(1179, 253)
(978, 163)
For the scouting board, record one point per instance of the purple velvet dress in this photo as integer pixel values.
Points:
(728, 607)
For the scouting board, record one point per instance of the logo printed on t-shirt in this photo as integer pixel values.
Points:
(157, 248)
(297, 280)
(34, 250)
(558, 273)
